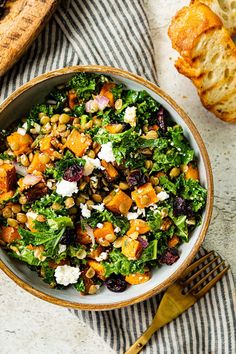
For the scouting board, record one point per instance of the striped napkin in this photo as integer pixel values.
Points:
(116, 33)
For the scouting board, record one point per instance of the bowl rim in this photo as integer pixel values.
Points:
(209, 177)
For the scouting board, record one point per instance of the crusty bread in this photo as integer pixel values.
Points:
(225, 9)
(208, 58)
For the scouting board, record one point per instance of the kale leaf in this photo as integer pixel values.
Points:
(87, 84)
(191, 190)
(43, 206)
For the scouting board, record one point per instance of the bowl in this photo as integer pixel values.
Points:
(18, 104)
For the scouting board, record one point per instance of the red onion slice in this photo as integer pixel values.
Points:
(20, 170)
(144, 243)
(102, 102)
(31, 180)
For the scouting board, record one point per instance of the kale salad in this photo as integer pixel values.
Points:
(98, 186)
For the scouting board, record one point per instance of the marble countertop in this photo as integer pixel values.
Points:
(29, 325)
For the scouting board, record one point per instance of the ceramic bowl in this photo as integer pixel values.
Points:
(18, 104)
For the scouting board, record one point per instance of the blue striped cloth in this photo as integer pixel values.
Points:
(116, 33)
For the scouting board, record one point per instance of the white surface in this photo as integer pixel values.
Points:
(29, 325)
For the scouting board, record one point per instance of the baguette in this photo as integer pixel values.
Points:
(225, 9)
(208, 58)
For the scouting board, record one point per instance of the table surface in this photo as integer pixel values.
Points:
(30, 325)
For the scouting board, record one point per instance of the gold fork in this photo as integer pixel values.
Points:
(194, 283)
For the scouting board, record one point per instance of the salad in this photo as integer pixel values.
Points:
(98, 186)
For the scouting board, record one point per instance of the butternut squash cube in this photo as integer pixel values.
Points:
(114, 128)
(106, 91)
(132, 249)
(138, 278)
(138, 225)
(98, 267)
(83, 237)
(6, 195)
(46, 146)
(7, 177)
(78, 143)
(106, 233)
(19, 144)
(111, 172)
(36, 164)
(9, 234)
(119, 202)
(173, 241)
(191, 172)
(144, 196)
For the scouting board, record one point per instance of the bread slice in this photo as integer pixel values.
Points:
(208, 58)
(225, 9)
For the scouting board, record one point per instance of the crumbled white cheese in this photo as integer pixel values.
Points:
(86, 213)
(66, 188)
(21, 131)
(141, 211)
(117, 229)
(62, 248)
(99, 207)
(162, 196)
(102, 257)
(66, 275)
(25, 126)
(106, 152)
(130, 116)
(132, 216)
(90, 165)
(99, 225)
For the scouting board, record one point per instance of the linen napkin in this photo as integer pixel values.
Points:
(116, 33)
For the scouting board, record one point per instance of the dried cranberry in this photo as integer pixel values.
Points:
(116, 283)
(136, 178)
(73, 173)
(170, 256)
(68, 237)
(179, 206)
(162, 119)
(144, 243)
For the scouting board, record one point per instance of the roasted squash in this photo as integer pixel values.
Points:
(72, 99)
(82, 237)
(138, 278)
(9, 234)
(107, 92)
(138, 225)
(7, 177)
(191, 172)
(114, 128)
(98, 267)
(132, 249)
(173, 241)
(78, 143)
(144, 196)
(94, 253)
(106, 233)
(110, 170)
(19, 144)
(36, 164)
(46, 146)
(118, 202)
(6, 195)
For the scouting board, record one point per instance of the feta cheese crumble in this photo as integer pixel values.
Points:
(62, 248)
(66, 275)
(162, 196)
(130, 116)
(132, 216)
(106, 152)
(66, 188)
(117, 229)
(91, 164)
(21, 131)
(102, 257)
(99, 225)
(84, 210)
(99, 207)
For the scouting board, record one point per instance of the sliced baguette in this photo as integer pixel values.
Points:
(225, 9)
(208, 58)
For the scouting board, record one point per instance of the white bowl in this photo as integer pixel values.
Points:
(18, 104)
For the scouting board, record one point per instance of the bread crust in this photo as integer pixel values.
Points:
(208, 58)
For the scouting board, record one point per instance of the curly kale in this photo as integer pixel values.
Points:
(86, 84)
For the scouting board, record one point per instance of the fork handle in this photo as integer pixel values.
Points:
(144, 338)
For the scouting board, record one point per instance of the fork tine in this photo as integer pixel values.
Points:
(195, 275)
(208, 286)
(196, 264)
(200, 282)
